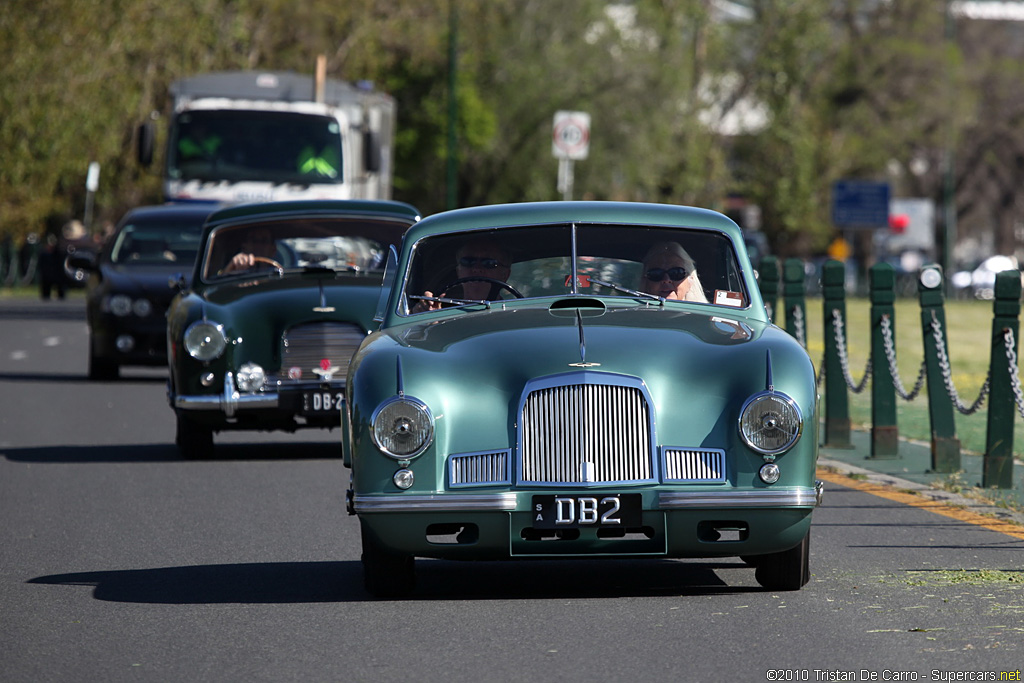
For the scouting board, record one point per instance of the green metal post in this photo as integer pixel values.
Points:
(768, 283)
(884, 432)
(793, 293)
(945, 445)
(998, 464)
(837, 401)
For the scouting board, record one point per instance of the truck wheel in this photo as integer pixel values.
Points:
(386, 574)
(788, 570)
(194, 441)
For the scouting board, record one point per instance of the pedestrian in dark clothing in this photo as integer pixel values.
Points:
(51, 269)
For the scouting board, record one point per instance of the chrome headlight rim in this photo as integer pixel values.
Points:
(793, 433)
(251, 377)
(205, 340)
(426, 438)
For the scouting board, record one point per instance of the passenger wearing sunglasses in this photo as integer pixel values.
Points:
(669, 272)
(475, 259)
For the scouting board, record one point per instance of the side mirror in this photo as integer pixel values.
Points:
(145, 137)
(178, 281)
(371, 152)
(81, 260)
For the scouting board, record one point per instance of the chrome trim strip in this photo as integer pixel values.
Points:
(498, 502)
(802, 497)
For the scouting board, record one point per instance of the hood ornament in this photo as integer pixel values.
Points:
(323, 307)
(326, 370)
(583, 346)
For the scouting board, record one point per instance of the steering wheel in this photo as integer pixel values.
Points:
(268, 261)
(255, 259)
(480, 278)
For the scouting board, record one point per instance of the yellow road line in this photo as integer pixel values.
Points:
(938, 507)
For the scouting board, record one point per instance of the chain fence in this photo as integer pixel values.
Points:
(888, 343)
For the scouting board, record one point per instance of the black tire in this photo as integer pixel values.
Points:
(386, 574)
(102, 370)
(194, 441)
(788, 570)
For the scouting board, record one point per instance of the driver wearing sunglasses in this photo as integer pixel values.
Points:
(479, 259)
(669, 272)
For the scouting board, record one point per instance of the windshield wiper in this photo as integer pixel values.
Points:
(627, 290)
(446, 300)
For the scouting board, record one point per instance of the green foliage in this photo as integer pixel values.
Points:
(844, 89)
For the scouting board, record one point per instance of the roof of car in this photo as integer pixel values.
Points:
(172, 209)
(357, 206)
(539, 213)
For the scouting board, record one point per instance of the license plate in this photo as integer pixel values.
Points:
(618, 511)
(322, 402)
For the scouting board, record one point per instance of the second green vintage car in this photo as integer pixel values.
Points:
(282, 295)
(579, 380)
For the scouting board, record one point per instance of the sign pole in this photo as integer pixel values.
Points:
(570, 140)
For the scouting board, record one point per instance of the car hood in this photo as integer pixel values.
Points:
(278, 303)
(149, 280)
(703, 360)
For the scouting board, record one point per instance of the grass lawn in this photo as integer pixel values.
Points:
(969, 326)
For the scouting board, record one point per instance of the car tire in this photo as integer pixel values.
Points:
(788, 570)
(102, 370)
(386, 574)
(194, 441)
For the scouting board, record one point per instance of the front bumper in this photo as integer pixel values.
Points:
(501, 526)
(798, 497)
(231, 402)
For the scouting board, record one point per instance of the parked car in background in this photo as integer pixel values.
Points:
(131, 282)
(282, 295)
(579, 380)
(981, 281)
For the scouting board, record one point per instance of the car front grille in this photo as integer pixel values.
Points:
(585, 434)
(476, 469)
(684, 465)
(312, 346)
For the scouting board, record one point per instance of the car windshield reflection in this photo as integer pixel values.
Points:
(643, 263)
(334, 247)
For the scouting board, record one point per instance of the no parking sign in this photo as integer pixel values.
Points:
(571, 135)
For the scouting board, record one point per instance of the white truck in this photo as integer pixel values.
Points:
(242, 136)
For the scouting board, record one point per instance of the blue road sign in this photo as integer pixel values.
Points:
(860, 204)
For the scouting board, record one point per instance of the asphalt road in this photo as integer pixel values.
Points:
(119, 562)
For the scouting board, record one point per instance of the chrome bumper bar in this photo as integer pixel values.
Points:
(229, 401)
(804, 497)
(492, 502)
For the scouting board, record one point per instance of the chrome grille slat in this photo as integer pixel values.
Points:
(476, 469)
(570, 430)
(694, 465)
(304, 346)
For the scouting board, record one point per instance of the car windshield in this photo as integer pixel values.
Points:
(649, 263)
(157, 242)
(284, 147)
(357, 247)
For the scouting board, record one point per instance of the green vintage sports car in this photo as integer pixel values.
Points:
(579, 380)
(281, 296)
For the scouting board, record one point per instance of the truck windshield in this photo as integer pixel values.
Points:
(277, 147)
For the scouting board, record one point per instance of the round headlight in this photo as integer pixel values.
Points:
(142, 307)
(120, 305)
(770, 423)
(402, 428)
(250, 377)
(205, 340)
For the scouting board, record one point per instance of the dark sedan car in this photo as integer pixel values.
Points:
(132, 281)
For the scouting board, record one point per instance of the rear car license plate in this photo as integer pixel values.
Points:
(621, 511)
(322, 402)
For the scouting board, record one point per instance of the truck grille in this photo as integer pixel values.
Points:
(307, 346)
(584, 434)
